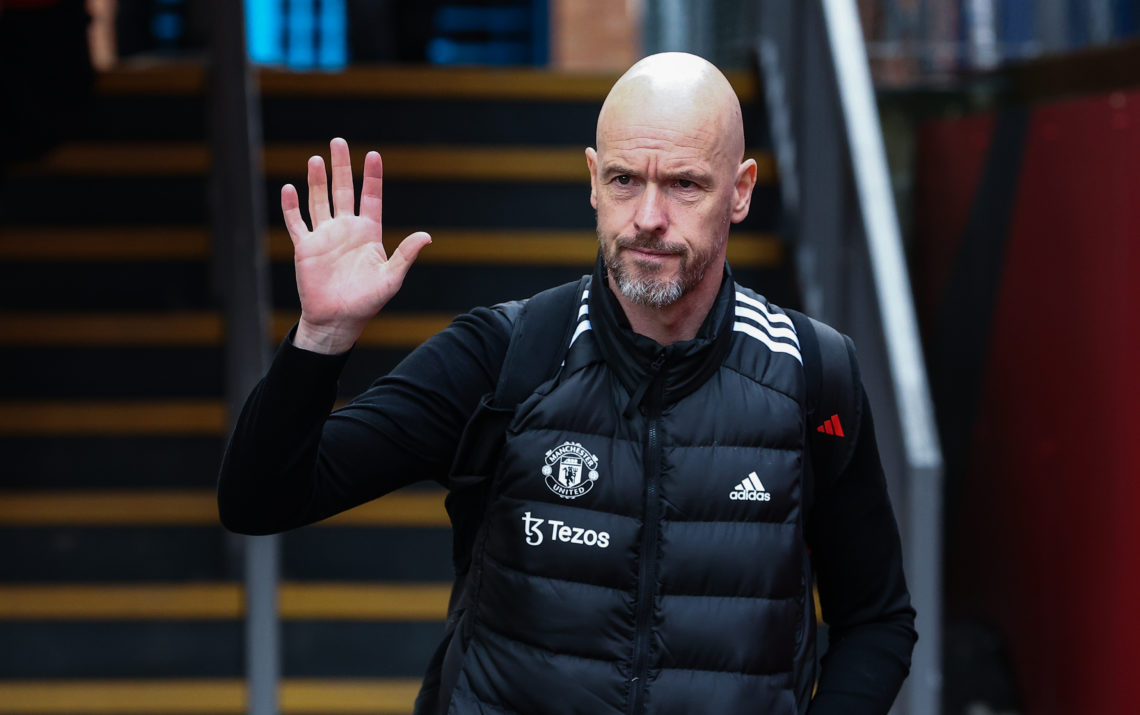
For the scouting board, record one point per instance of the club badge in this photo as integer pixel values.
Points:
(570, 470)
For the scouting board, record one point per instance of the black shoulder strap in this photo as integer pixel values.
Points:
(540, 329)
(540, 333)
(833, 405)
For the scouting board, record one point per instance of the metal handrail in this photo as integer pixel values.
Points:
(912, 399)
(840, 214)
(884, 242)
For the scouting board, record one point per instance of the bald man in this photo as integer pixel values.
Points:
(634, 534)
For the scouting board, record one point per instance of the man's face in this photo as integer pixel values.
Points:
(666, 190)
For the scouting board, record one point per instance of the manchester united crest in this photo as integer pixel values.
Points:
(570, 470)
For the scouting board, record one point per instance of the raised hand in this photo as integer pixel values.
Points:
(344, 276)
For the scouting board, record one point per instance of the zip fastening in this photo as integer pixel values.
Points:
(647, 571)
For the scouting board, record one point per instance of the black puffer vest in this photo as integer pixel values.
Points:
(641, 548)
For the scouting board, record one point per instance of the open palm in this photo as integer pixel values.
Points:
(344, 275)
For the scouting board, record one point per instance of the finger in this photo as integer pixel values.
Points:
(406, 254)
(318, 192)
(372, 190)
(344, 200)
(291, 211)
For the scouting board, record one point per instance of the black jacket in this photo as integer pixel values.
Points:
(656, 653)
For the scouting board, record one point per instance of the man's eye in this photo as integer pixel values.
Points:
(624, 179)
(685, 184)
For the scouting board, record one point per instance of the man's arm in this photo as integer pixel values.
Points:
(290, 462)
(858, 558)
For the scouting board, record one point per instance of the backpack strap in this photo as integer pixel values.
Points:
(540, 335)
(540, 331)
(834, 410)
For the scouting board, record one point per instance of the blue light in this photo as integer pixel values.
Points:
(333, 51)
(302, 34)
(300, 50)
(263, 31)
(167, 27)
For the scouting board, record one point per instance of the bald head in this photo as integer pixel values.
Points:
(677, 90)
(667, 179)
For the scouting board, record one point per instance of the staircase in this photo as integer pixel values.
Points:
(119, 591)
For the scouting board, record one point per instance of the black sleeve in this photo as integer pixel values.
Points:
(289, 462)
(858, 559)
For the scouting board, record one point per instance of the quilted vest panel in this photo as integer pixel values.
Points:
(647, 562)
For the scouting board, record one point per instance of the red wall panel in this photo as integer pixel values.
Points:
(951, 160)
(1050, 538)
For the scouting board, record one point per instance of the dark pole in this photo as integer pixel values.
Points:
(242, 270)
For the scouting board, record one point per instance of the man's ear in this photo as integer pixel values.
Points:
(592, 163)
(745, 182)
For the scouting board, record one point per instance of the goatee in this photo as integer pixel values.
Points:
(636, 280)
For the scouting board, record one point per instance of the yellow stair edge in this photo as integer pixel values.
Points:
(316, 601)
(192, 329)
(194, 508)
(181, 77)
(308, 601)
(508, 247)
(298, 696)
(24, 418)
(287, 161)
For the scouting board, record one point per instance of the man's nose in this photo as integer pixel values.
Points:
(652, 215)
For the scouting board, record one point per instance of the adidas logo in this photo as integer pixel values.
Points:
(750, 490)
(831, 426)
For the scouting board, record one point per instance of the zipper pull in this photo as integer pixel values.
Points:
(650, 376)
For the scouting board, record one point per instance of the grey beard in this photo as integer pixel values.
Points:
(653, 292)
(650, 293)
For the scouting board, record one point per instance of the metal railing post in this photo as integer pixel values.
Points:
(922, 517)
(841, 218)
(242, 273)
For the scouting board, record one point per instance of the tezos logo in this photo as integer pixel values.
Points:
(561, 531)
(570, 470)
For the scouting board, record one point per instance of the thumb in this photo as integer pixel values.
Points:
(407, 252)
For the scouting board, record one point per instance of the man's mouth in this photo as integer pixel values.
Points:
(650, 253)
(651, 250)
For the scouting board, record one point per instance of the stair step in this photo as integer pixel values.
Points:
(105, 272)
(407, 508)
(187, 287)
(451, 245)
(385, 105)
(222, 601)
(70, 372)
(387, 330)
(126, 462)
(182, 200)
(95, 244)
(114, 372)
(164, 649)
(196, 696)
(108, 553)
(189, 78)
(284, 161)
(113, 417)
(280, 161)
(443, 204)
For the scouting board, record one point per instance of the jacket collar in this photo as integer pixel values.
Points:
(640, 362)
